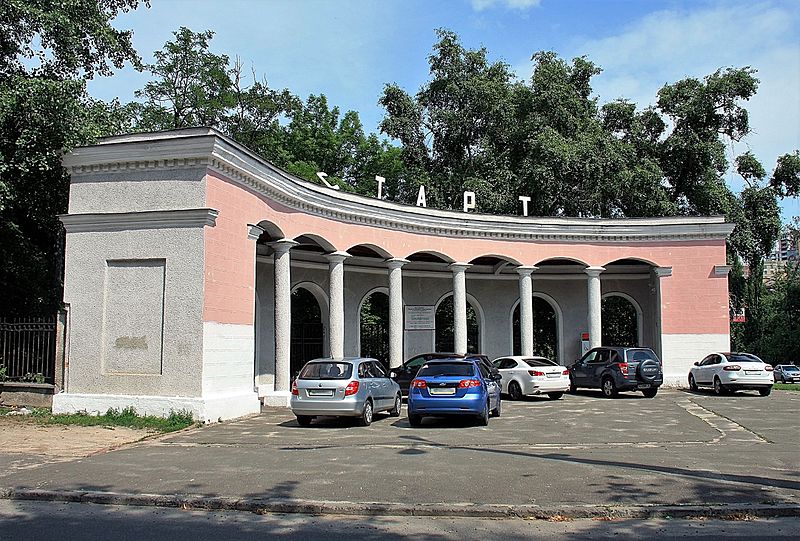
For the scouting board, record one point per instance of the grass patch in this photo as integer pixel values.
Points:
(787, 386)
(114, 417)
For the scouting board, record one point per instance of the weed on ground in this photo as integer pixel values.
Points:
(113, 417)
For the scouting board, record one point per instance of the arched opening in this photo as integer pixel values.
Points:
(374, 326)
(445, 333)
(308, 331)
(545, 330)
(621, 321)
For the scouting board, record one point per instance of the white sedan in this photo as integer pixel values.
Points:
(731, 372)
(524, 376)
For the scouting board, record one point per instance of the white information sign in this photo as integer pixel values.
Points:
(420, 318)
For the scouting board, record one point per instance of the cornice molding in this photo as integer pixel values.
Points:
(155, 219)
(204, 146)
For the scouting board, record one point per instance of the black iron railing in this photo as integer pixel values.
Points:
(28, 349)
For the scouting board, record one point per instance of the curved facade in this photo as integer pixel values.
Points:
(183, 249)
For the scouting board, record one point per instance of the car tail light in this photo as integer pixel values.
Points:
(419, 384)
(294, 389)
(535, 373)
(565, 373)
(623, 367)
(351, 389)
(732, 368)
(467, 383)
(768, 367)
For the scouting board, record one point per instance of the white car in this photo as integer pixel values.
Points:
(732, 372)
(524, 376)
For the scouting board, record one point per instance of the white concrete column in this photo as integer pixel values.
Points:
(595, 306)
(460, 306)
(659, 273)
(336, 296)
(283, 315)
(395, 311)
(526, 309)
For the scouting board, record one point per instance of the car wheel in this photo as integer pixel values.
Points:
(398, 403)
(572, 387)
(514, 391)
(496, 411)
(650, 393)
(555, 396)
(304, 420)
(366, 414)
(719, 388)
(414, 420)
(483, 420)
(692, 383)
(765, 392)
(608, 388)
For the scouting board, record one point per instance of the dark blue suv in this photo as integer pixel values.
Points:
(614, 369)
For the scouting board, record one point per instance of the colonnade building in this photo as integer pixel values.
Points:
(200, 277)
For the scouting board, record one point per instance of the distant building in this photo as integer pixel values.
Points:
(785, 248)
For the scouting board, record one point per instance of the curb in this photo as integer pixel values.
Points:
(311, 507)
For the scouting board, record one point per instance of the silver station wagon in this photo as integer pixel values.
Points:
(350, 387)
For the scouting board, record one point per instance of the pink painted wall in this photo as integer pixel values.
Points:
(693, 300)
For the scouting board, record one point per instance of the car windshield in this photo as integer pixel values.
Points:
(327, 370)
(446, 369)
(539, 362)
(743, 358)
(791, 369)
(640, 355)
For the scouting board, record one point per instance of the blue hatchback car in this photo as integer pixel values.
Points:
(453, 387)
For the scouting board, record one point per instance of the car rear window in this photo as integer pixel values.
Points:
(640, 355)
(446, 369)
(743, 358)
(790, 369)
(326, 370)
(539, 362)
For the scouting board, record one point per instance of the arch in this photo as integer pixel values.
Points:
(631, 260)
(561, 260)
(507, 259)
(479, 316)
(431, 253)
(310, 240)
(367, 295)
(559, 321)
(271, 231)
(308, 330)
(372, 247)
(639, 316)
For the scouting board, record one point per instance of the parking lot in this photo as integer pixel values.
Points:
(677, 448)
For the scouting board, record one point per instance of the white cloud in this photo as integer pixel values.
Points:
(480, 5)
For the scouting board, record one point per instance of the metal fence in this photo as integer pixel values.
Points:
(28, 349)
(375, 341)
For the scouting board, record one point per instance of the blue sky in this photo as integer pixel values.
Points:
(349, 49)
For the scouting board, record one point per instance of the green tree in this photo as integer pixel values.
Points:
(47, 51)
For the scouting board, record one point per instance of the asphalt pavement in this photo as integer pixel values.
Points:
(582, 452)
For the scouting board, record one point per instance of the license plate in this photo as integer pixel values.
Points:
(644, 386)
(320, 392)
(554, 375)
(449, 390)
(752, 372)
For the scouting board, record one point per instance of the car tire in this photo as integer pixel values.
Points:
(555, 396)
(366, 414)
(514, 391)
(414, 420)
(304, 420)
(765, 392)
(498, 410)
(692, 383)
(719, 388)
(572, 387)
(398, 404)
(483, 419)
(650, 393)
(608, 387)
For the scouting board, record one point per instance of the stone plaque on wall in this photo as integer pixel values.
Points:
(420, 318)
(133, 316)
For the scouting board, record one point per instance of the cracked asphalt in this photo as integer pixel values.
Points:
(678, 448)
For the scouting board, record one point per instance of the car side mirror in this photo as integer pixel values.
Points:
(392, 374)
(697, 364)
(498, 377)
